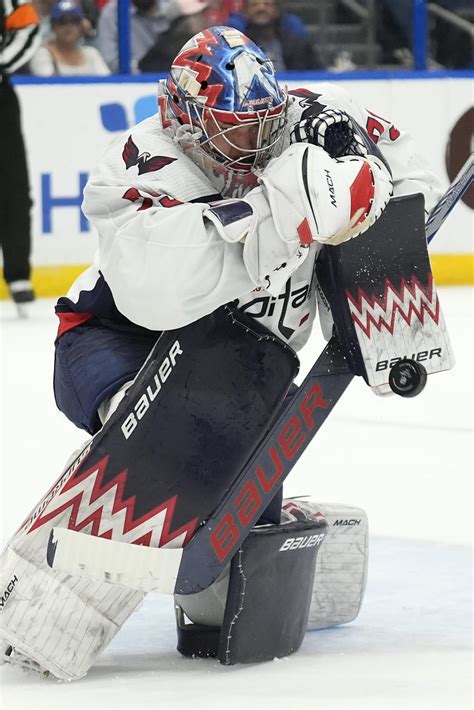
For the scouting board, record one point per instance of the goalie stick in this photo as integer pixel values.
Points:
(215, 542)
(452, 195)
(195, 567)
(135, 566)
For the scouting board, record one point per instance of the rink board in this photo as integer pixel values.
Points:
(68, 125)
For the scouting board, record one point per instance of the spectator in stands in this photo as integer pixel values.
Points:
(188, 17)
(218, 11)
(451, 45)
(282, 36)
(148, 20)
(89, 22)
(19, 39)
(393, 21)
(63, 55)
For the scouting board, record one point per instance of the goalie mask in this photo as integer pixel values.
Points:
(222, 91)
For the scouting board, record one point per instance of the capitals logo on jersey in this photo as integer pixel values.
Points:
(284, 314)
(146, 162)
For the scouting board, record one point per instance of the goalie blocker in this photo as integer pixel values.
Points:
(383, 302)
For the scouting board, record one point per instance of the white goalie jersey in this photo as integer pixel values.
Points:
(176, 243)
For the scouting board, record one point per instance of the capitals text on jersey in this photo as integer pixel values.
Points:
(264, 305)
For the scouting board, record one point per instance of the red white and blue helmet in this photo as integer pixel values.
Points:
(221, 76)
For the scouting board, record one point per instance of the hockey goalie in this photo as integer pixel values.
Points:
(223, 220)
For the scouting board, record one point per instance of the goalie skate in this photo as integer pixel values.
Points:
(22, 296)
(13, 657)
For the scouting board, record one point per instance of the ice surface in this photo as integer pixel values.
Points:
(407, 462)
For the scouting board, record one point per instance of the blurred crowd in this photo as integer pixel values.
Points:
(81, 36)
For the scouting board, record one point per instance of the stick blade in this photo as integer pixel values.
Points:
(135, 566)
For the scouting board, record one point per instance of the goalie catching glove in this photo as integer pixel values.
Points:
(338, 134)
(332, 130)
(304, 196)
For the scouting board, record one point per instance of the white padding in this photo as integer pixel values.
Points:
(55, 620)
(341, 566)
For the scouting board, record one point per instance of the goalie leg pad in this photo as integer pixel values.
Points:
(151, 475)
(60, 622)
(268, 591)
(341, 565)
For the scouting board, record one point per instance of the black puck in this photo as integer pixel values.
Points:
(407, 378)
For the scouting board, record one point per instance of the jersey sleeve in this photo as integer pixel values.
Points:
(164, 262)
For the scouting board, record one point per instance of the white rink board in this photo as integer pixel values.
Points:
(65, 137)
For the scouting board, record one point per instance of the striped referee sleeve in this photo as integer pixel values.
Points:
(21, 36)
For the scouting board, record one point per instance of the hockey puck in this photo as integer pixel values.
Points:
(407, 378)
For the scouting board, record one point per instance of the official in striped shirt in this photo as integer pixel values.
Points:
(19, 40)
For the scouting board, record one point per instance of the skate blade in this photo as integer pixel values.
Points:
(18, 660)
(23, 310)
